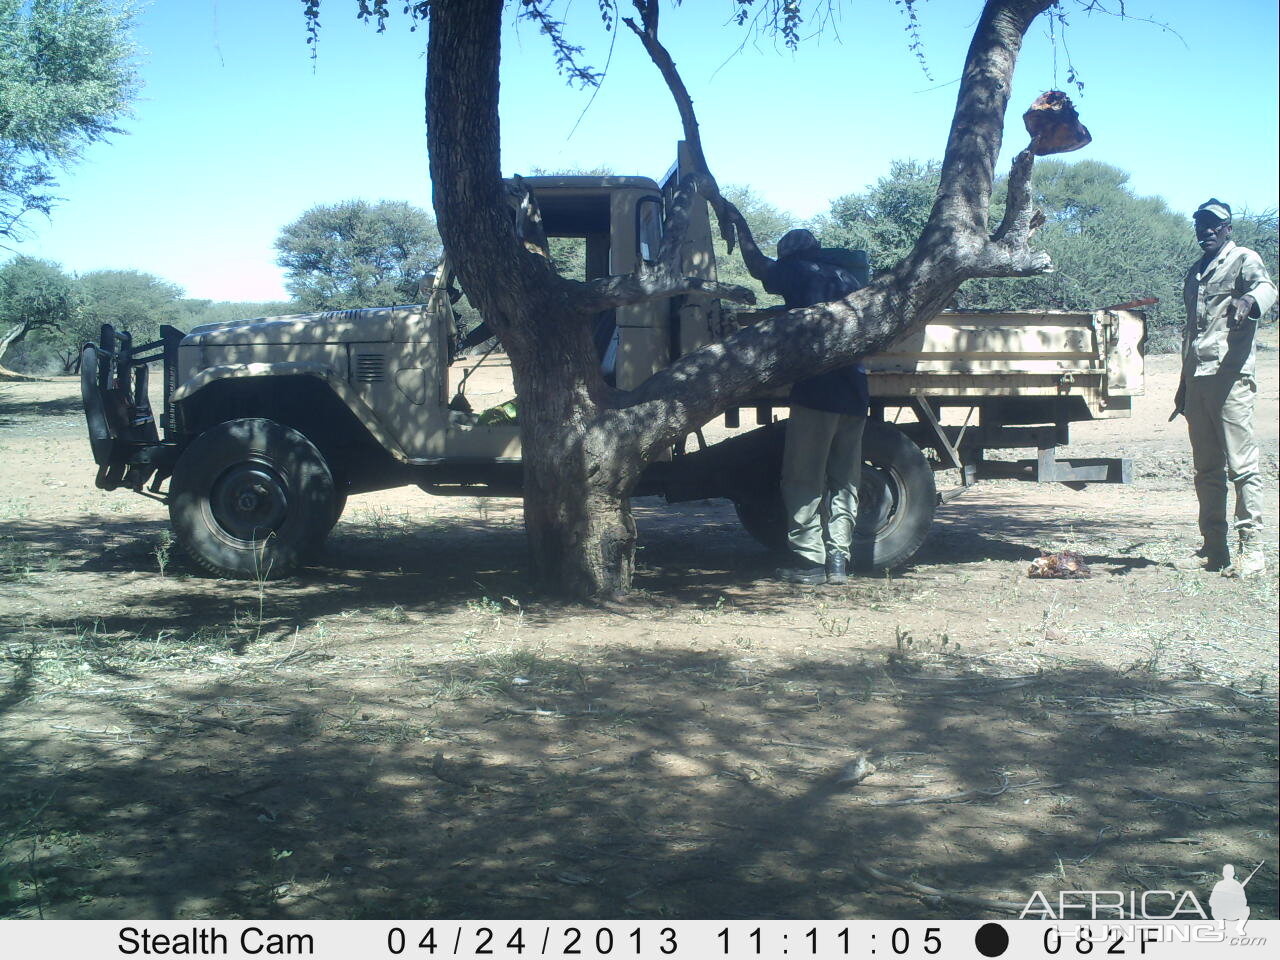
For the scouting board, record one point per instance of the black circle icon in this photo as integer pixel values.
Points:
(992, 940)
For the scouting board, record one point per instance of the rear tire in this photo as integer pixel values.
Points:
(339, 505)
(251, 499)
(897, 499)
(896, 503)
(765, 519)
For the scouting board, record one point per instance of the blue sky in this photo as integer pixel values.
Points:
(237, 131)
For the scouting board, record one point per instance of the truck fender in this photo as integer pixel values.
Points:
(295, 368)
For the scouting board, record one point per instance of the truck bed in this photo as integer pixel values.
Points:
(960, 357)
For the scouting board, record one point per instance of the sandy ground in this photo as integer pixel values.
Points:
(405, 731)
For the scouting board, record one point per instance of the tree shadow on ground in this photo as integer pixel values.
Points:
(692, 555)
(646, 784)
(1020, 532)
(189, 772)
(421, 566)
(13, 411)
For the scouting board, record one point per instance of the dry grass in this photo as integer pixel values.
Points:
(406, 731)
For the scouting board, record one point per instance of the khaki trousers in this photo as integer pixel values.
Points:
(821, 469)
(1219, 411)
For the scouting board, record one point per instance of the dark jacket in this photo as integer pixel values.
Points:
(820, 276)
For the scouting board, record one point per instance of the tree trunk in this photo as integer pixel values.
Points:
(15, 334)
(576, 479)
(582, 539)
(584, 443)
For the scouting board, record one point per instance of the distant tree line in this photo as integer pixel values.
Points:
(1109, 246)
(47, 314)
(336, 257)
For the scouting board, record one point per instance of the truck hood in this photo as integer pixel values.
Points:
(370, 325)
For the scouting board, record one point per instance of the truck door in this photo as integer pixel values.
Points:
(695, 317)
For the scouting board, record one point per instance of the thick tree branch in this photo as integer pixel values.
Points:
(648, 284)
(733, 226)
(968, 166)
(463, 144)
(768, 354)
(732, 221)
(1012, 241)
(647, 31)
(529, 229)
(955, 246)
(15, 334)
(675, 226)
(1018, 210)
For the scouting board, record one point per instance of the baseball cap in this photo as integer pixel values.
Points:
(796, 241)
(1214, 207)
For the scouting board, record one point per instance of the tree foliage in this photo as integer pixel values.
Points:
(1260, 232)
(127, 299)
(56, 313)
(69, 310)
(1108, 244)
(66, 79)
(37, 298)
(768, 223)
(888, 217)
(358, 254)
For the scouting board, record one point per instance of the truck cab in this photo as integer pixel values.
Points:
(267, 425)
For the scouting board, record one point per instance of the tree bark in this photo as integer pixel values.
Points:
(15, 334)
(578, 520)
(584, 443)
(576, 513)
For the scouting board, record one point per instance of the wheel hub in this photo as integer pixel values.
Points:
(877, 501)
(250, 501)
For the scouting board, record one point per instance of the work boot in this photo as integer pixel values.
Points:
(837, 568)
(1207, 558)
(802, 571)
(1250, 562)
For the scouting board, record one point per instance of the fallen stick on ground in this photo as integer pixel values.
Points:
(1005, 906)
(956, 797)
(1138, 713)
(1182, 803)
(805, 746)
(1223, 686)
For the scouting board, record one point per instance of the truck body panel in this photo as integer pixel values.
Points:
(1094, 355)
(354, 400)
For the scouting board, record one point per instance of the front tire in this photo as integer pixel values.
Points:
(896, 503)
(251, 499)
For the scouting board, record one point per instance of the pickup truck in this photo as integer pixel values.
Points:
(266, 426)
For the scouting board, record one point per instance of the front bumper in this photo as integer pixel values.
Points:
(122, 429)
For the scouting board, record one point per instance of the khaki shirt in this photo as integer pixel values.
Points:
(1207, 343)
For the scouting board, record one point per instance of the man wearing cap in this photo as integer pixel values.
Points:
(1226, 292)
(822, 457)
